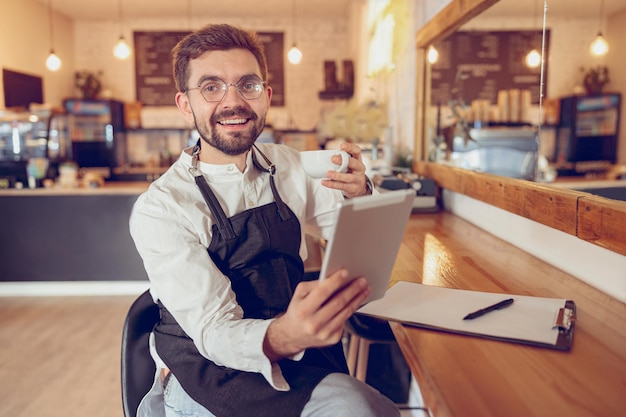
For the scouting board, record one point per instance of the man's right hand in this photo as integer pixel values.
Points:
(316, 315)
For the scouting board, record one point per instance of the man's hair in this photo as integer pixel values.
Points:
(219, 37)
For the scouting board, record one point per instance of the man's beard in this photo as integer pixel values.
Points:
(234, 143)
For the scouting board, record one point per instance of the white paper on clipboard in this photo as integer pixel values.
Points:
(530, 319)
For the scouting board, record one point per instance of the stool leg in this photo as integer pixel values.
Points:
(353, 347)
(363, 355)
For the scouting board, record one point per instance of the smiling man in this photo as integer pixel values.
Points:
(221, 232)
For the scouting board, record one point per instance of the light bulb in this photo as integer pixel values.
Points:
(121, 50)
(294, 55)
(433, 55)
(533, 59)
(599, 47)
(53, 62)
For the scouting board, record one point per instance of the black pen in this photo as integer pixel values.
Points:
(483, 311)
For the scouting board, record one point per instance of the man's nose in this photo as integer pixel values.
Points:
(232, 94)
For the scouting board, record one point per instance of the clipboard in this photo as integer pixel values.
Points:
(367, 236)
(534, 321)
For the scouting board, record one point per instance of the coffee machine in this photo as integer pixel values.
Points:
(97, 133)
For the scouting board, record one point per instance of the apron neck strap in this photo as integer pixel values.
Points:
(222, 222)
(283, 210)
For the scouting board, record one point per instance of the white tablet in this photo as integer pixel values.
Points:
(367, 237)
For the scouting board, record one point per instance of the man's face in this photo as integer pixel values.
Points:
(232, 124)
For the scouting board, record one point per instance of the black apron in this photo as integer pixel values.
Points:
(258, 250)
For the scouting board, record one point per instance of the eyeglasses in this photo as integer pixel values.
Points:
(214, 90)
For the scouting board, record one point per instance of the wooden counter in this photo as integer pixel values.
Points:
(465, 376)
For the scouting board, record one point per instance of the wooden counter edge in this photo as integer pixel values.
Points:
(430, 394)
(110, 188)
(566, 210)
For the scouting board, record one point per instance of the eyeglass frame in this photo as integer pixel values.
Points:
(226, 85)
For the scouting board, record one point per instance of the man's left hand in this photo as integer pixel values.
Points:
(353, 182)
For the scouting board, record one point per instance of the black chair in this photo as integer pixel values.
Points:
(137, 365)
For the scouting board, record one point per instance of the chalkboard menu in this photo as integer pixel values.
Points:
(273, 43)
(153, 66)
(475, 65)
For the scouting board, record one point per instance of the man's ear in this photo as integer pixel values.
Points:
(268, 90)
(182, 102)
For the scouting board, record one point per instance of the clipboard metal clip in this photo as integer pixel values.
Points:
(565, 318)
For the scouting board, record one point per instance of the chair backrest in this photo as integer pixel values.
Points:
(137, 365)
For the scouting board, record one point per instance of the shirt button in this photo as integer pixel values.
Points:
(250, 203)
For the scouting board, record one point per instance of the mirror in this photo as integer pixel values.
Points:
(567, 55)
(597, 220)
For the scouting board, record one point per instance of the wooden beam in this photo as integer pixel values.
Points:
(449, 19)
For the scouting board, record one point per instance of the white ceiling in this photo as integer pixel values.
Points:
(136, 9)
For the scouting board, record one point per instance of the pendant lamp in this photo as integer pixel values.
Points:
(432, 55)
(599, 46)
(294, 55)
(533, 58)
(53, 62)
(121, 50)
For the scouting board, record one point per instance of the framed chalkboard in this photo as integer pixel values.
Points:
(273, 43)
(154, 81)
(475, 65)
(153, 66)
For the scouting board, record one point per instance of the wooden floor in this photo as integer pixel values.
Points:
(60, 356)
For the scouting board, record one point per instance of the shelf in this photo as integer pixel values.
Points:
(331, 95)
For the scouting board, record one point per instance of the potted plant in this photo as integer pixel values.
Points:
(595, 79)
(88, 83)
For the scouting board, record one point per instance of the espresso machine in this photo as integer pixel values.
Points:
(97, 133)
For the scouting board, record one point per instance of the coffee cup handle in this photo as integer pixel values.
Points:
(345, 159)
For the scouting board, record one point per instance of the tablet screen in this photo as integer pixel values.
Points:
(367, 237)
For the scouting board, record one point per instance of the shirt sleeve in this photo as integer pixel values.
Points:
(183, 277)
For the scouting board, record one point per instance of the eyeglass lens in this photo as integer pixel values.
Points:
(250, 88)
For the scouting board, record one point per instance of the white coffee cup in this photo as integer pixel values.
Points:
(318, 163)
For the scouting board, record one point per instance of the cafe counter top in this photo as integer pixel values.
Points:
(109, 188)
(465, 376)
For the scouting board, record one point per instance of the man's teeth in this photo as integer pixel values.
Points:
(233, 122)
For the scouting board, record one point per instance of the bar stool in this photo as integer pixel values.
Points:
(364, 331)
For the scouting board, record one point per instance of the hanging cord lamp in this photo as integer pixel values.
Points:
(53, 62)
(294, 55)
(533, 58)
(599, 46)
(121, 50)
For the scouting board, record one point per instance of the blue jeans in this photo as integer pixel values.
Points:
(337, 395)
